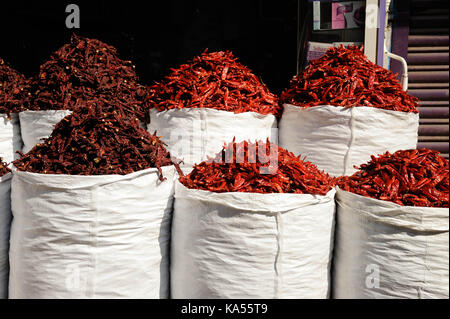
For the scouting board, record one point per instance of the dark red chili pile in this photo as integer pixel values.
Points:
(4, 169)
(82, 70)
(345, 77)
(237, 168)
(11, 88)
(213, 80)
(409, 178)
(93, 142)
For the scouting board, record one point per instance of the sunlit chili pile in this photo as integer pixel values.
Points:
(410, 178)
(3, 168)
(85, 69)
(345, 77)
(237, 168)
(96, 143)
(213, 80)
(11, 88)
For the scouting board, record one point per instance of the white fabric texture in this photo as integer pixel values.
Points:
(384, 250)
(91, 236)
(193, 134)
(5, 221)
(249, 245)
(36, 126)
(10, 140)
(338, 138)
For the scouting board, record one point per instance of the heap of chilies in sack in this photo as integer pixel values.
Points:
(410, 177)
(11, 88)
(346, 77)
(82, 70)
(213, 80)
(95, 142)
(261, 167)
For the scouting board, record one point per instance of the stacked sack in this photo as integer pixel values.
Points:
(343, 108)
(92, 206)
(392, 228)
(206, 102)
(254, 222)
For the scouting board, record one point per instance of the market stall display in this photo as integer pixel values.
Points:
(117, 190)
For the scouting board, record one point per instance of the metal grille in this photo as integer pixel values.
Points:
(428, 68)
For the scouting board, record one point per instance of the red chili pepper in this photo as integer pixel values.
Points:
(3, 168)
(241, 171)
(11, 90)
(424, 180)
(345, 77)
(83, 70)
(213, 80)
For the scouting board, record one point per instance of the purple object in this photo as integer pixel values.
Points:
(381, 27)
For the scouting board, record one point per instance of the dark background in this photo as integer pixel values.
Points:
(159, 35)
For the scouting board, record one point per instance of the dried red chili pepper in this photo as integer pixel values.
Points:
(213, 80)
(4, 169)
(82, 70)
(237, 168)
(92, 142)
(345, 77)
(11, 89)
(410, 178)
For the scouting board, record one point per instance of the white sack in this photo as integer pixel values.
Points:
(5, 221)
(249, 245)
(193, 134)
(384, 250)
(38, 125)
(337, 138)
(10, 140)
(91, 236)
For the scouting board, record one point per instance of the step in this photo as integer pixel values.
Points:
(430, 94)
(427, 76)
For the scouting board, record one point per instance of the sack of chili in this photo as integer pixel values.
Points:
(392, 228)
(243, 229)
(343, 108)
(82, 70)
(206, 102)
(11, 95)
(92, 208)
(5, 222)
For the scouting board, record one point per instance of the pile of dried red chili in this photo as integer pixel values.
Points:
(94, 142)
(11, 88)
(213, 80)
(409, 178)
(239, 167)
(345, 77)
(82, 70)
(4, 169)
